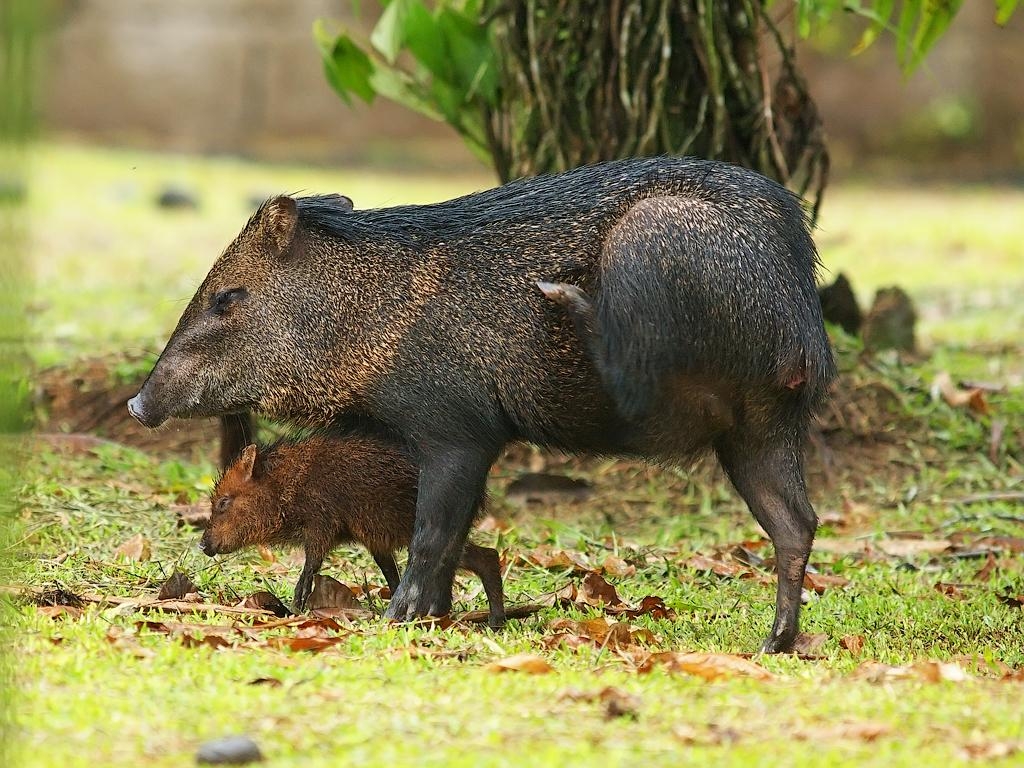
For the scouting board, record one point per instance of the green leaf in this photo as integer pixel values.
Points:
(879, 17)
(388, 36)
(909, 14)
(398, 87)
(469, 54)
(1004, 10)
(803, 17)
(938, 15)
(426, 43)
(348, 69)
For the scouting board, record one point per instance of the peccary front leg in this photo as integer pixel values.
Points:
(236, 432)
(386, 562)
(304, 586)
(771, 480)
(484, 562)
(451, 487)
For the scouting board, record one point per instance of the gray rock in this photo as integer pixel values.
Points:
(231, 750)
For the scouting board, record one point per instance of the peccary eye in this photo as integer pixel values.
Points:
(224, 299)
(223, 503)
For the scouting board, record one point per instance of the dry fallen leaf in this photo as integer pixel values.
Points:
(190, 640)
(137, 548)
(59, 611)
(985, 572)
(973, 399)
(594, 590)
(177, 586)
(603, 632)
(840, 546)
(928, 671)
(195, 516)
(1012, 600)
(298, 644)
(616, 566)
(123, 641)
(266, 554)
(521, 662)
(557, 559)
(910, 547)
(710, 666)
(819, 582)
(492, 524)
(852, 643)
(809, 644)
(950, 590)
(265, 601)
(652, 606)
(717, 567)
(992, 750)
(863, 731)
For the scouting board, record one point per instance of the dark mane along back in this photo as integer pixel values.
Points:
(567, 196)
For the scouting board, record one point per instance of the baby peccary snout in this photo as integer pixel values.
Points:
(329, 490)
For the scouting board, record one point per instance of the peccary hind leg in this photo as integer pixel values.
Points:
(452, 481)
(386, 562)
(483, 561)
(770, 479)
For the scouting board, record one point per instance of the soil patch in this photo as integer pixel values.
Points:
(854, 436)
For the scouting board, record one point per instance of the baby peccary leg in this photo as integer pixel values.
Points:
(483, 561)
(770, 480)
(386, 562)
(304, 586)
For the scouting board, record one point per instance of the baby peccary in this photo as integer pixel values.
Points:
(326, 491)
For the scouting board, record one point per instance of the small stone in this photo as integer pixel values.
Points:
(173, 197)
(839, 305)
(231, 750)
(890, 322)
(543, 488)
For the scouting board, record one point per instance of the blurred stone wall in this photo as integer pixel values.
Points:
(244, 76)
(238, 76)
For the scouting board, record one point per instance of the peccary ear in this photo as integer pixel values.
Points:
(278, 222)
(343, 202)
(247, 461)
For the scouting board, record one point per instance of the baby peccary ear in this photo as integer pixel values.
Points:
(247, 461)
(278, 222)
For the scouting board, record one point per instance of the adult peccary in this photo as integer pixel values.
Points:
(326, 490)
(428, 322)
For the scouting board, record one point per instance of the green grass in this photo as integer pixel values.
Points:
(86, 700)
(102, 689)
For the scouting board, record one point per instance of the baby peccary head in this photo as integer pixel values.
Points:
(243, 511)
